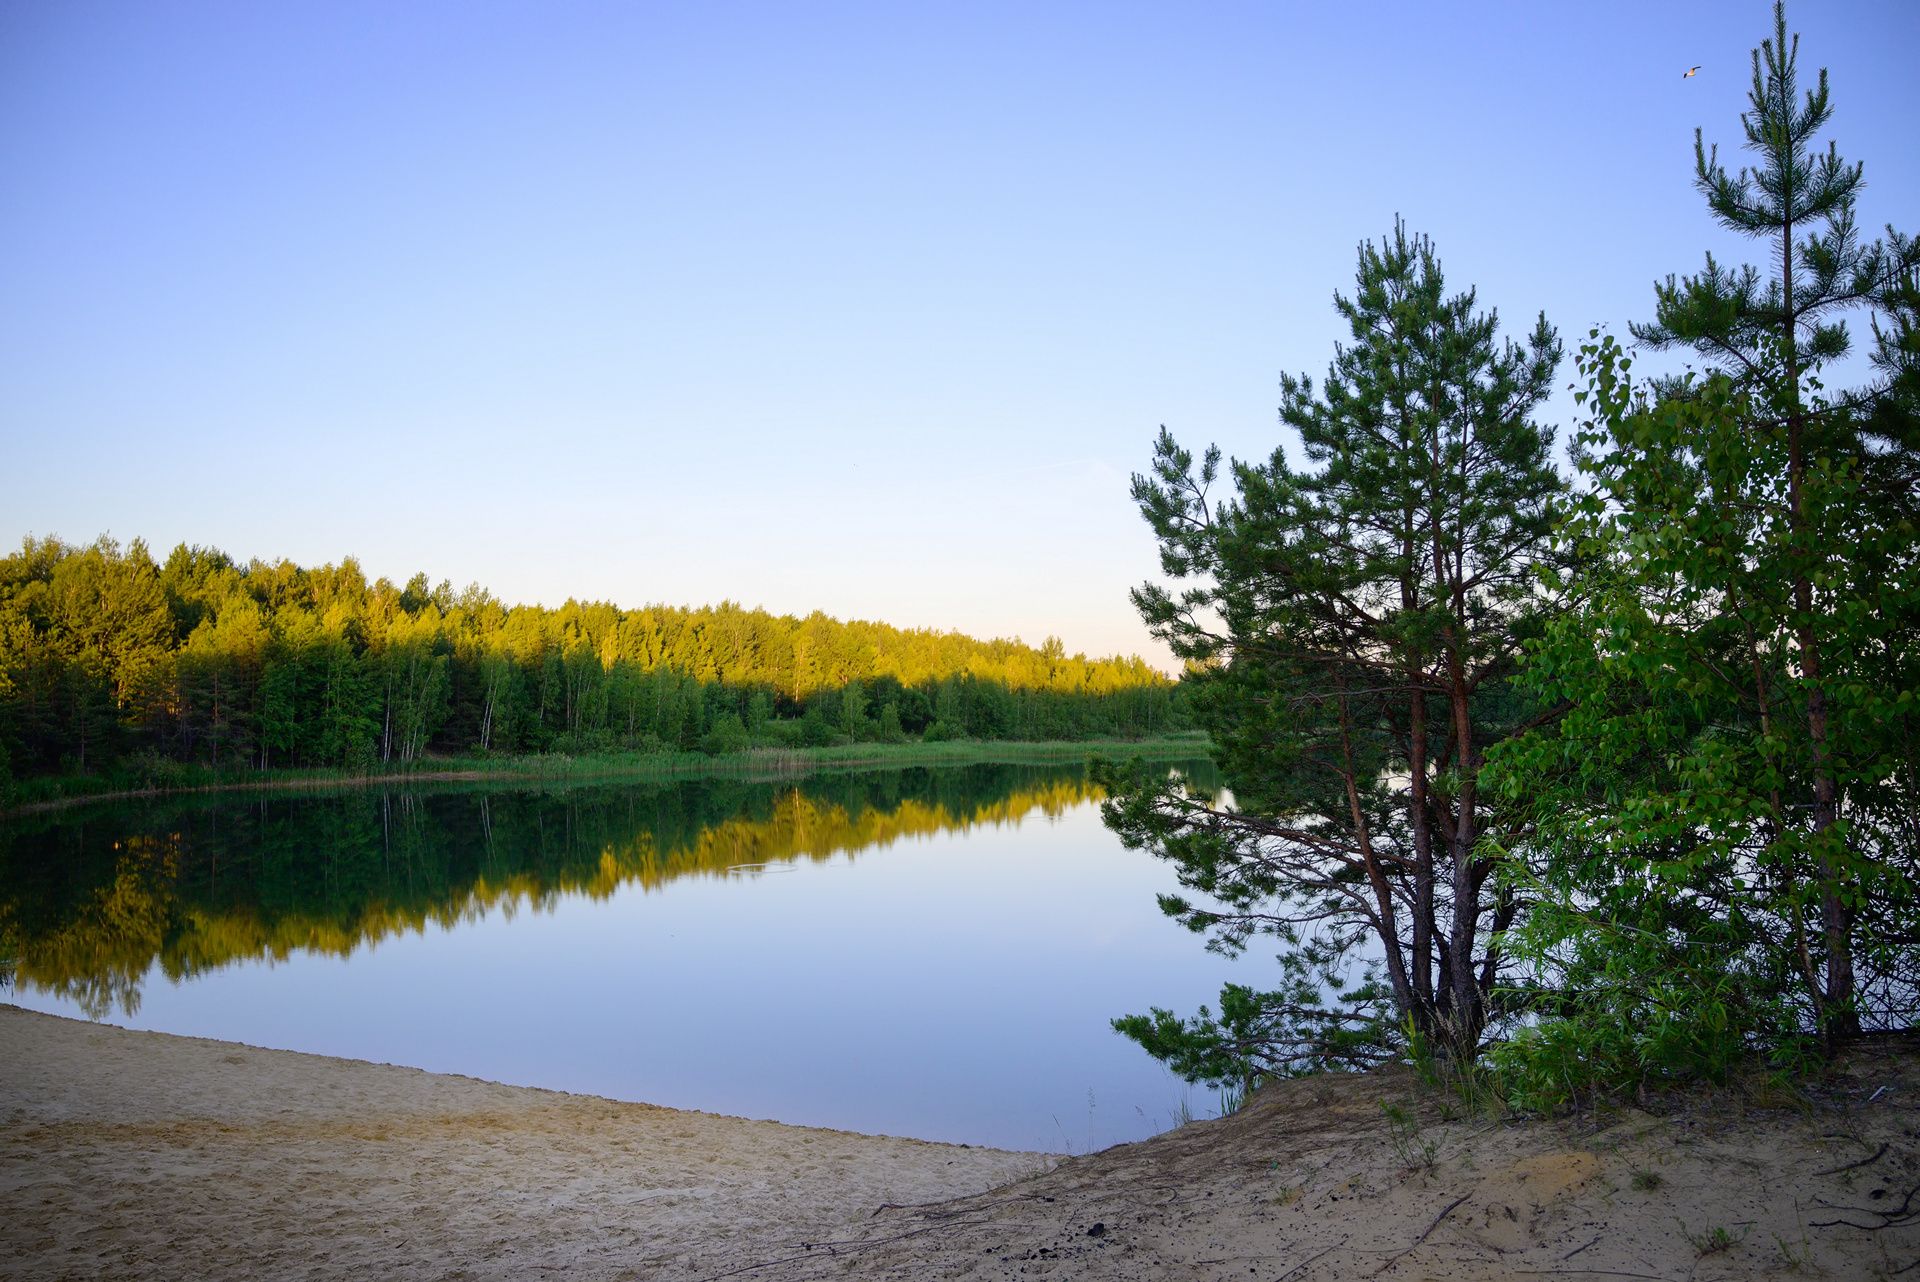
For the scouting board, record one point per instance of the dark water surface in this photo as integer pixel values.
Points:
(932, 953)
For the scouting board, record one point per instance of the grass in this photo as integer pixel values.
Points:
(1713, 1241)
(1415, 1152)
(160, 777)
(1798, 1258)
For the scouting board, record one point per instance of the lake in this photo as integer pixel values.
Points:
(928, 952)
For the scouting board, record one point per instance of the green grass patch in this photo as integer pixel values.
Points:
(158, 777)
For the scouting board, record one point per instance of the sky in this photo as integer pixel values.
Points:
(864, 308)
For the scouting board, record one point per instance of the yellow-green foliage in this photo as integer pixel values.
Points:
(109, 660)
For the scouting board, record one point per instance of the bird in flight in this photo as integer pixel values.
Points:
(1689, 71)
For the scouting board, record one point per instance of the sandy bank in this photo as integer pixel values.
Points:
(142, 1155)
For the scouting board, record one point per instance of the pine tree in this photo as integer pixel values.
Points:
(1772, 334)
(1726, 849)
(1353, 628)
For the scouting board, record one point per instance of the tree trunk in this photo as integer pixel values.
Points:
(1842, 1019)
(1403, 997)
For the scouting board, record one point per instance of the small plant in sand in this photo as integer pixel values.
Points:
(1182, 1110)
(1403, 1133)
(1466, 1085)
(1798, 1257)
(1714, 1240)
(1648, 1181)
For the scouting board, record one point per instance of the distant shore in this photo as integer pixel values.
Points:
(756, 763)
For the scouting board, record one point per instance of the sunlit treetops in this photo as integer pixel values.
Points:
(104, 651)
(725, 642)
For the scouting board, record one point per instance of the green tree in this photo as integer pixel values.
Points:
(728, 734)
(1352, 629)
(1728, 814)
(853, 710)
(348, 698)
(413, 680)
(280, 703)
(217, 681)
(496, 673)
(759, 712)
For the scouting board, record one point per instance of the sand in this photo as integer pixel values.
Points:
(140, 1155)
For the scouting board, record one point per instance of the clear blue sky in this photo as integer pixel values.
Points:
(864, 308)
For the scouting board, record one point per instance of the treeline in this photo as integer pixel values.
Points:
(108, 657)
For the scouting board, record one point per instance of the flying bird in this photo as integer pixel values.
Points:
(1689, 71)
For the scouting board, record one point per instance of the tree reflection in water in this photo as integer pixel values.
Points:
(92, 900)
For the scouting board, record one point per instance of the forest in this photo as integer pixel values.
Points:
(1595, 778)
(114, 663)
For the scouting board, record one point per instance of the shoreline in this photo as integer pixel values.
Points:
(130, 1153)
(757, 764)
(148, 1155)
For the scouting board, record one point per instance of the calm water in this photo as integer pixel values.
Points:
(926, 953)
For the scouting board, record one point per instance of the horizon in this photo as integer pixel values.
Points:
(857, 311)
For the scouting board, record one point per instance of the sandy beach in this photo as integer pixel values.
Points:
(142, 1155)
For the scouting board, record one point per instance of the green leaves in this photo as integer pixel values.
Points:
(1261, 1035)
(1724, 856)
(1679, 848)
(1356, 621)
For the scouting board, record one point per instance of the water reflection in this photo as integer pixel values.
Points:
(933, 953)
(92, 901)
